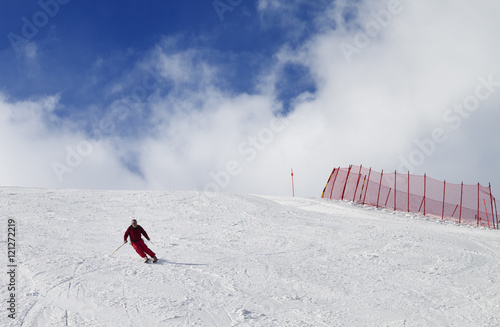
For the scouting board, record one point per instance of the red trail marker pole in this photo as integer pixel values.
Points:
(293, 188)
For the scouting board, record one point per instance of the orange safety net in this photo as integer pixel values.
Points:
(470, 204)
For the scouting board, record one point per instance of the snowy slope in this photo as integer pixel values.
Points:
(242, 260)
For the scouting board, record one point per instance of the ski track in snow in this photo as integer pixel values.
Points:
(243, 260)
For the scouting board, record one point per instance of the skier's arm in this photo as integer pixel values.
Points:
(127, 232)
(145, 234)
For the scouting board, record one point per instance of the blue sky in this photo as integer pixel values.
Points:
(70, 45)
(229, 95)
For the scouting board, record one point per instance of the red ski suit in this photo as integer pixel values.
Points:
(137, 242)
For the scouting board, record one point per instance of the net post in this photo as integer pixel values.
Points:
(395, 178)
(334, 180)
(362, 189)
(461, 197)
(346, 180)
(478, 204)
(487, 218)
(408, 191)
(425, 185)
(356, 189)
(379, 186)
(357, 184)
(496, 212)
(454, 211)
(444, 196)
(328, 181)
(387, 199)
(367, 182)
(491, 200)
(421, 203)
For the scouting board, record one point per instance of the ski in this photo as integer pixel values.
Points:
(150, 260)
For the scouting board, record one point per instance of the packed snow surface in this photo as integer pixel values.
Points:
(242, 260)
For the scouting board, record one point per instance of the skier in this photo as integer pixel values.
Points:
(140, 247)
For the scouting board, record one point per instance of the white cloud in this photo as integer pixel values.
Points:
(30, 51)
(397, 88)
(32, 139)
